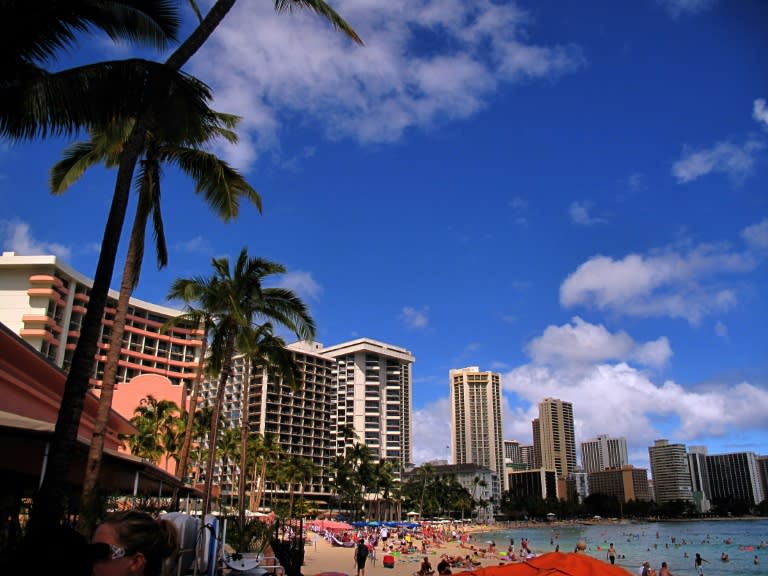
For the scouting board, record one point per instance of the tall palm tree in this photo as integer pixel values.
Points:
(267, 450)
(236, 300)
(264, 350)
(148, 105)
(222, 188)
(227, 450)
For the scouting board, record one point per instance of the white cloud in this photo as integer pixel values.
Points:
(414, 318)
(301, 283)
(16, 237)
(423, 62)
(724, 157)
(622, 401)
(760, 112)
(579, 212)
(432, 431)
(757, 234)
(665, 283)
(582, 343)
(721, 330)
(196, 245)
(677, 8)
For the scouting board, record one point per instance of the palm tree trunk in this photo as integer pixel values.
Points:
(49, 502)
(131, 270)
(243, 441)
(181, 469)
(213, 434)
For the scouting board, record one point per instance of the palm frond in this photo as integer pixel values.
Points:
(323, 9)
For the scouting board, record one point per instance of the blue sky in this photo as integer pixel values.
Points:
(572, 194)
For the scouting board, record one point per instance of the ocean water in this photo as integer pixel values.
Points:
(638, 542)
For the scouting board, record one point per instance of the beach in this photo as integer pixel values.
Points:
(321, 556)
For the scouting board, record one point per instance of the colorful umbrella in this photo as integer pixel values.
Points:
(554, 564)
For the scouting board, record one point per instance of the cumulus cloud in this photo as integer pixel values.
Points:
(756, 235)
(677, 8)
(724, 158)
(301, 283)
(422, 63)
(414, 318)
(666, 283)
(579, 212)
(760, 112)
(432, 431)
(583, 343)
(16, 237)
(623, 401)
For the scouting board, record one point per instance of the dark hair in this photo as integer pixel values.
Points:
(156, 539)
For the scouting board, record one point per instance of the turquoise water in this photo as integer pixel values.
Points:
(638, 542)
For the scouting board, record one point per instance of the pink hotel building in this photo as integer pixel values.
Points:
(43, 301)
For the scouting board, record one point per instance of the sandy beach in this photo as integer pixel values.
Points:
(321, 556)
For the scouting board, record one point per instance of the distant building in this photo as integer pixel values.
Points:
(482, 483)
(578, 482)
(762, 465)
(527, 456)
(533, 483)
(535, 462)
(558, 443)
(512, 453)
(735, 477)
(702, 491)
(671, 477)
(373, 396)
(625, 483)
(476, 417)
(604, 452)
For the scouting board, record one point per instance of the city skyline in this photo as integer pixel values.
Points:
(572, 196)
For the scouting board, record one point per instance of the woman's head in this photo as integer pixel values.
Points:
(132, 542)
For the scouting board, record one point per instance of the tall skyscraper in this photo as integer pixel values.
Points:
(671, 476)
(373, 396)
(535, 461)
(558, 441)
(603, 452)
(512, 452)
(476, 416)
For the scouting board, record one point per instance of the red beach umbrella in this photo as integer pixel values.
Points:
(553, 564)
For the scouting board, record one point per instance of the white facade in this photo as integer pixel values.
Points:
(671, 476)
(476, 417)
(298, 421)
(373, 396)
(604, 452)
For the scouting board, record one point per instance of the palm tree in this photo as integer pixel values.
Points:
(236, 300)
(148, 104)
(37, 102)
(222, 187)
(267, 450)
(227, 450)
(261, 348)
(153, 418)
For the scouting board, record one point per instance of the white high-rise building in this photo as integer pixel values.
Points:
(558, 442)
(476, 416)
(671, 476)
(298, 421)
(603, 452)
(373, 396)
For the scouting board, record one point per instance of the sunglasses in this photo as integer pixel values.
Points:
(102, 552)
